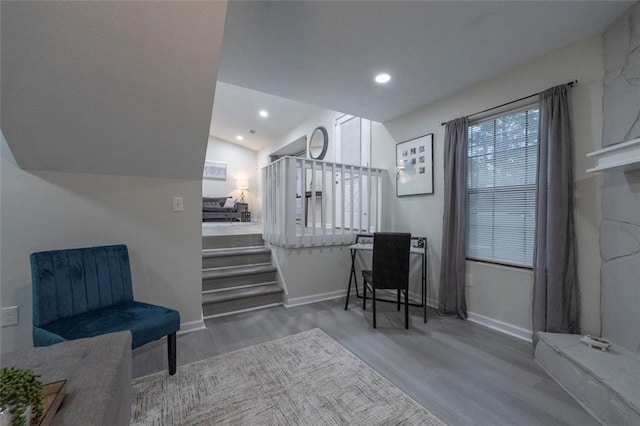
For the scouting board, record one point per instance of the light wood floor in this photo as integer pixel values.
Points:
(461, 372)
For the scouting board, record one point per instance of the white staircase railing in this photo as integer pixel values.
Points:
(314, 203)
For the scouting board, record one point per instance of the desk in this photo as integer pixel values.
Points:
(420, 251)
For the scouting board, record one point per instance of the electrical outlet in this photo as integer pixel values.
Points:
(469, 280)
(10, 316)
(178, 204)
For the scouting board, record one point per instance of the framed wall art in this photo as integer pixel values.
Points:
(414, 166)
(215, 170)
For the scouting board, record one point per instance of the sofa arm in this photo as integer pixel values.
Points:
(42, 337)
(98, 374)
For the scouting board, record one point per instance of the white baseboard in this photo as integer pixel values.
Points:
(413, 298)
(305, 300)
(432, 303)
(503, 327)
(191, 326)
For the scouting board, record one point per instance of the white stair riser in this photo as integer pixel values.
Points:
(226, 241)
(228, 282)
(248, 259)
(237, 275)
(209, 309)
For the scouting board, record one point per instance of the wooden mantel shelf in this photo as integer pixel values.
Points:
(621, 157)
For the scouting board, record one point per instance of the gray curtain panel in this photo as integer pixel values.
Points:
(452, 272)
(556, 300)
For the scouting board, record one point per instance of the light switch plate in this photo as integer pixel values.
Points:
(10, 316)
(178, 204)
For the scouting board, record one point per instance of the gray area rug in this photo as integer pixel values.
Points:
(304, 379)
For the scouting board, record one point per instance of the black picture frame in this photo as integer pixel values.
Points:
(414, 177)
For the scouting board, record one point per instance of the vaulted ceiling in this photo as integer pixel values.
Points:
(326, 53)
(236, 113)
(128, 87)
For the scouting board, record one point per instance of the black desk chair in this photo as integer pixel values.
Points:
(390, 269)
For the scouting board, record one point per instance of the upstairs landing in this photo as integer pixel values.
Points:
(230, 228)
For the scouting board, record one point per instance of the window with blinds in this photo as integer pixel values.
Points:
(501, 188)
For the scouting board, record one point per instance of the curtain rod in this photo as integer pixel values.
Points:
(570, 84)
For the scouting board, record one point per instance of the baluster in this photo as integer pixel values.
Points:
(333, 202)
(312, 187)
(361, 210)
(323, 202)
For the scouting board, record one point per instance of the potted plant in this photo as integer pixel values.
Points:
(20, 395)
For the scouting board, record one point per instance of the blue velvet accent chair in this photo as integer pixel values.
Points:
(87, 292)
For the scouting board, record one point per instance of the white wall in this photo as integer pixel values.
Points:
(316, 272)
(501, 294)
(324, 118)
(242, 163)
(54, 210)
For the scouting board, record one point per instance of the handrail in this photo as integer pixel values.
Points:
(308, 160)
(316, 203)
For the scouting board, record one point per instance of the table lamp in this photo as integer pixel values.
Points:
(242, 185)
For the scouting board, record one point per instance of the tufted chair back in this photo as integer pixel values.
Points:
(73, 281)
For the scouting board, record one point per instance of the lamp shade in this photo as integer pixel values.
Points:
(242, 183)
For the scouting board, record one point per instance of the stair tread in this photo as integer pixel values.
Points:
(240, 293)
(222, 289)
(214, 237)
(230, 271)
(235, 251)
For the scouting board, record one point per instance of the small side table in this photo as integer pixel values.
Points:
(245, 214)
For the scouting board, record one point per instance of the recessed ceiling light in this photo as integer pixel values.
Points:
(239, 137)
(263, 113)
(383, 78)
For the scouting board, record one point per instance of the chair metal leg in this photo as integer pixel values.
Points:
(346, 303)
(398, 299)
(352, 275)
(171, 352)
(406, 309)
(364, 296)
(373, 295)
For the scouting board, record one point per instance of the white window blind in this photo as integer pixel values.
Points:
(501, 188)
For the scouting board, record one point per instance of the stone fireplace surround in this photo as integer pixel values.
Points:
(607, 384)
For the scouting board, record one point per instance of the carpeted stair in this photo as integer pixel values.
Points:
(237, 275)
